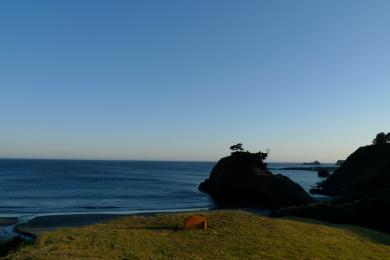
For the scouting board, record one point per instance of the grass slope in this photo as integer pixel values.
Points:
(231, 235)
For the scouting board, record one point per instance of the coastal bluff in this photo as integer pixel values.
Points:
(362, 189)
(367, 169)
(242, 180)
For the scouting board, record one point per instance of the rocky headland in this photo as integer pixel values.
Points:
(367, 169)
(362, 189)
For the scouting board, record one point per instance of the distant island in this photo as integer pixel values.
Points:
(312, 163)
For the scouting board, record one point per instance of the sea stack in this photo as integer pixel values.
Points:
(242, 180)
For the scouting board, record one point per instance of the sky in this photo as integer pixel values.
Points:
(184, 80)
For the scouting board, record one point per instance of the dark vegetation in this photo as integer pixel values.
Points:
(381, 138)
(369, 210)
(362, 185)
(237, 147)
(12, 245)
(242, 180)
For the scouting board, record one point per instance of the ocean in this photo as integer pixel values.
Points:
(40, 187)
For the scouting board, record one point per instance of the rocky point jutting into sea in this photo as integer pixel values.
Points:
(362, 187)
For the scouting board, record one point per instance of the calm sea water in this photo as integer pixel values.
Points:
(36, 187)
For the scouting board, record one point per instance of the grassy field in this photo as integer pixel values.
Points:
(231, 235)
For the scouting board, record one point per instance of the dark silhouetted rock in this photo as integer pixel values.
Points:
(363, 182)
(242, 180)
(340, 162)
(367, 169)
(312, 163)
(323, 173)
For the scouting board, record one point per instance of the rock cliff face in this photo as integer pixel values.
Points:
(242, 180)
(367, 169)
(363, 185)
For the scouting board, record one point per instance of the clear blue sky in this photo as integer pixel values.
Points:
(183, 80)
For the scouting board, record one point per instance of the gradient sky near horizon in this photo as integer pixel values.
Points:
(184, 80)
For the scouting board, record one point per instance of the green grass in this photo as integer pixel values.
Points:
(231, 235)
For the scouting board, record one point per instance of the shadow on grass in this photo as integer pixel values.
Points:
(162, 228)
(13, 245)
(370, 234)
(168, 228)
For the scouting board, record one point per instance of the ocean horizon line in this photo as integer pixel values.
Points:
(144, 160)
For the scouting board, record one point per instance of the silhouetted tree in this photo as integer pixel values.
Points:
(262, 155)
(237, 147)
(381, 138)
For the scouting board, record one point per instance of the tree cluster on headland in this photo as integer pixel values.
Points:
(381, 138)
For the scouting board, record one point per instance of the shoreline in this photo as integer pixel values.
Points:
(6, 226)
(35, 226)
(230, 234)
